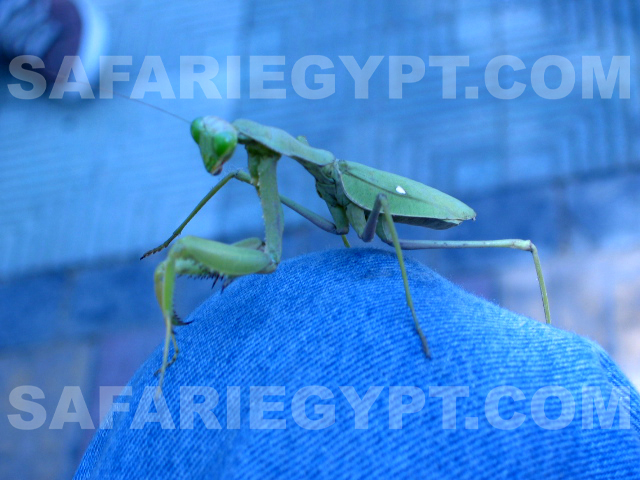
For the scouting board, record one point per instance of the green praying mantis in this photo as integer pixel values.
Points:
(368, 200)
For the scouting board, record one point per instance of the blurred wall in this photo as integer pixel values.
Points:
(86, 187)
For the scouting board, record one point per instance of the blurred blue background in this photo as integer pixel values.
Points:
(87, 186)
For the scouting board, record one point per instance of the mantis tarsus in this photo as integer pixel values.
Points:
(369, 200)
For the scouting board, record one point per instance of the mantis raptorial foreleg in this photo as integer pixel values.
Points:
(197, 256)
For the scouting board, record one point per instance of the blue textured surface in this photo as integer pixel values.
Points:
(339, 318)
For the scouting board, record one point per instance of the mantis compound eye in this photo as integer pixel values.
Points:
(217, 140)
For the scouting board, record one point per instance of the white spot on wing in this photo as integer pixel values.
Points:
(401, 190)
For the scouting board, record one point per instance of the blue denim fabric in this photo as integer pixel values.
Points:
(339, 318)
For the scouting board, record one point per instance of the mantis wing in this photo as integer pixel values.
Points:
(410, 201)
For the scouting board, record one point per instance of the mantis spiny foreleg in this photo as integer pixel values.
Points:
(197, 256)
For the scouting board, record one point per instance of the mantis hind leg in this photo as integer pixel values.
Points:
(367, 233)
(199, 257)
(524, 245)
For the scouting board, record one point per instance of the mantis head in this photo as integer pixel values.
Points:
(217, 140)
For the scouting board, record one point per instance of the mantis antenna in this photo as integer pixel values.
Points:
(121, 95)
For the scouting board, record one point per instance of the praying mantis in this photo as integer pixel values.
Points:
(368, 200)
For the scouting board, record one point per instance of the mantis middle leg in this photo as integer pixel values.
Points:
(341, 227)
(367, 231)
(239, 175)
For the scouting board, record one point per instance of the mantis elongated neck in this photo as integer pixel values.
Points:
(263, 165)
